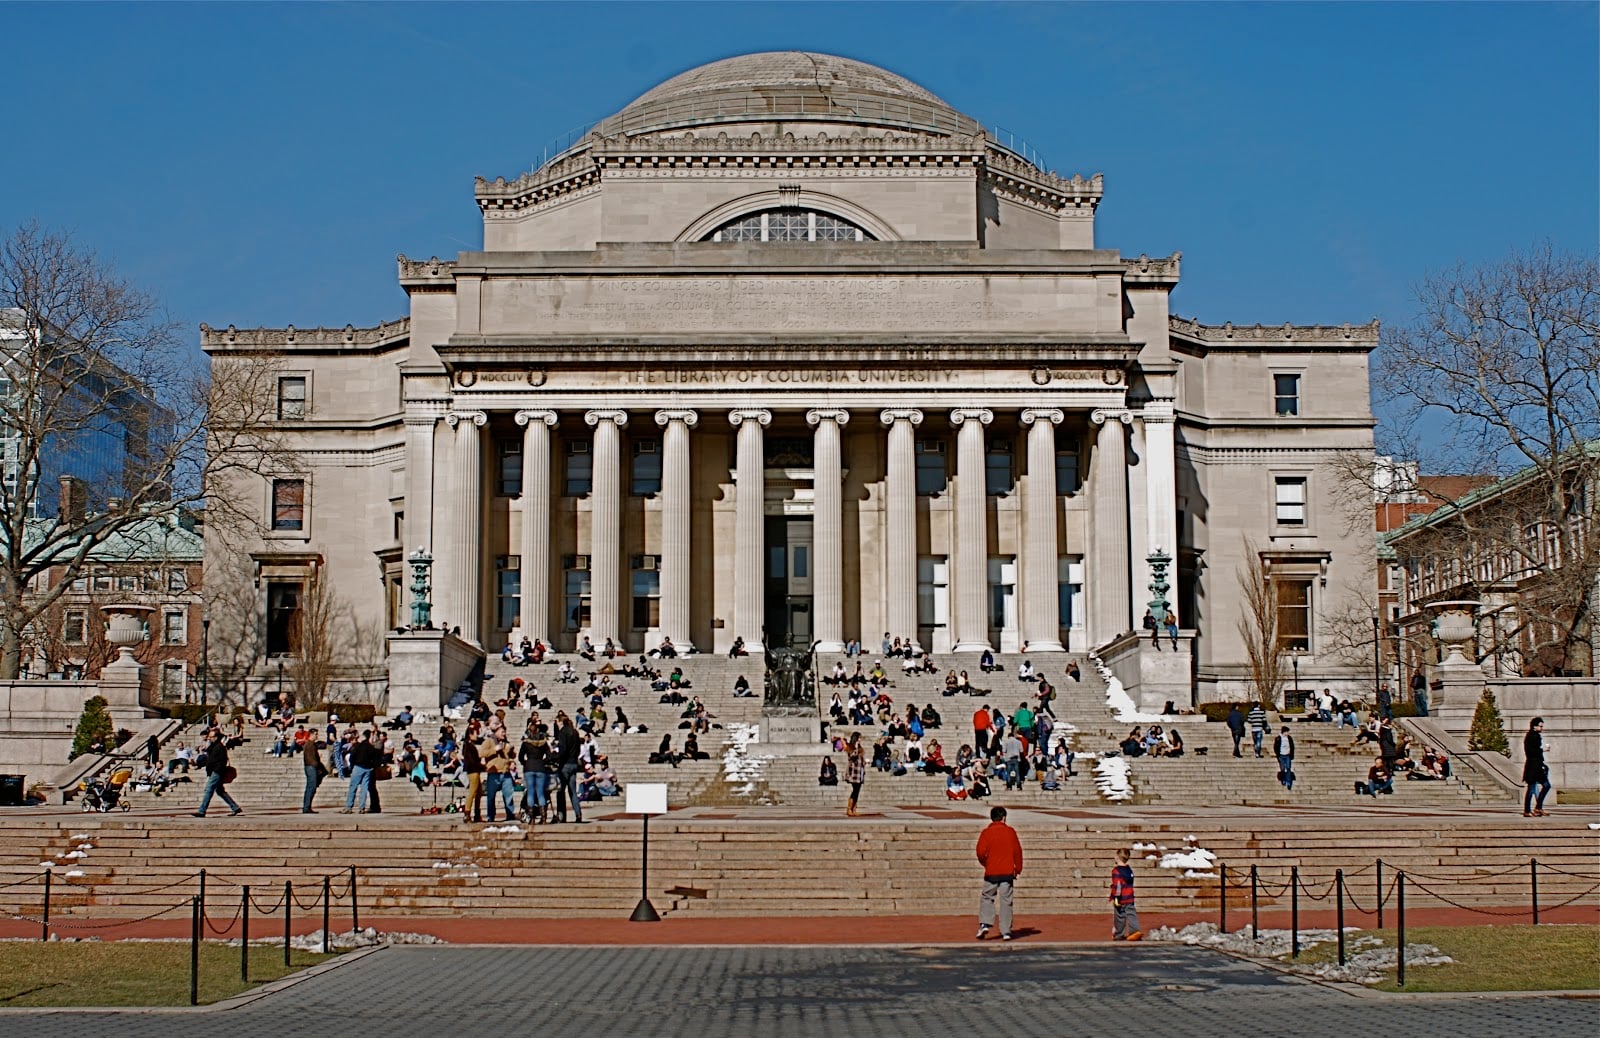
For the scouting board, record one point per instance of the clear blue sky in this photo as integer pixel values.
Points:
(263, 164)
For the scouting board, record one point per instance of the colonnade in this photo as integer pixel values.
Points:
(451, 502)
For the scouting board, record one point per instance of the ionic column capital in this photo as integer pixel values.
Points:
(890, 415)
(740, 415)
(961, 415)
(477, 418)
(689, 418)
(1051, 415)
(537, 415)
(595, 417)
(818, 415)
(1102, 415)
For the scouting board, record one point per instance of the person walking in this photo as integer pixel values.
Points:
(1283, 749)
(980, 731)
(218, 773)
(1000, 854)
(855, 771)
(311, 757)
(1124, 910)
(1236, 728)
(1258, 726)
(1535, 771)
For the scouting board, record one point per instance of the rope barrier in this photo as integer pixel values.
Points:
(59, 923)
(1318, 897)
(1384, 900)
(39, 878)
(1507, 914)
(1570, 900)
(1355, 904)
(237, 911)
(266, 911)
(1547, 867)
(315, 901)
(165, 886)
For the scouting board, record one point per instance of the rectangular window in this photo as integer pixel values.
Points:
(1286, 394)
(1002, 594)
(508, 591)
(997, 468)
(931, 476)
(1068, 478)
(646, 599)
(646, 477)
(288, 504)
(76, 630)
(1069, 591)
(174, 629)
(127, 582)
(933, 593)
(292, 396)
(1294, 613)
(508, 473)
(174, 678)
(580, 469)
(80, 585)
(1289, 497)
(102, 580)
(177, 580)
(802, 562)
(576, 599)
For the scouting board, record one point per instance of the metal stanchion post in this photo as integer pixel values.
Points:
(288, 904)
(1380, 893)
(44, 922)
(202, 890)
(1294, 911)
(355, 913)
(1400, 908)
(1255, 906)
(327, 902)
(244, 936)
(1533, 877)
(1338, 886)
(194, 952)
(1222, 901)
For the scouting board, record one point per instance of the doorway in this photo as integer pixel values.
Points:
(283, 617)
(790, 559)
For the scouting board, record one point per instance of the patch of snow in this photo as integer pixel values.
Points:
(1117, 699)
(740, 767)
(1594, 825)
(1192, 874)
(441, 864)
(1144, 846)
(1194, 858)
(502, 829)
(47, 864)
(85, 846)
(80, 836)
(75, 874)
(74, 854)
(1366, 960)
(1111, 778)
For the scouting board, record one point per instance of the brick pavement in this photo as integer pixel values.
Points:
(918, 992)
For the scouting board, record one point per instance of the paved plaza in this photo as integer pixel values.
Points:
(919, 992)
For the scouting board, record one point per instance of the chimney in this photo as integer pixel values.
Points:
(74, 500)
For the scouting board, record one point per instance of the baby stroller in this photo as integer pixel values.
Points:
(107, 794)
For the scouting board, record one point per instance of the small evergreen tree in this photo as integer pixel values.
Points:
(1488, 729)
(94, 726)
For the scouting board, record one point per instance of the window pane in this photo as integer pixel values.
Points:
(802, 562)
(580, 470)
(789, 225)
(930, 468)
(1294, 614)
(1290, 500)
(508, 598)
(1286, 390)
(288, 504)
(292, 397)
(646, 468)
(777, 564)
(997, 470)
(509, 478)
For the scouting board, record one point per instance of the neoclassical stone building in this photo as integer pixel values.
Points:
(790, 350)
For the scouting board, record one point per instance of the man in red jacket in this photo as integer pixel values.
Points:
(1000, 854)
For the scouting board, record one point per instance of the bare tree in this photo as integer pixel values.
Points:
(1504, 360)
(97, 385)
(1258, 625)
(322, 636)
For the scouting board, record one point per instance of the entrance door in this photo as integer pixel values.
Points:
(788, 582)
(283, 617)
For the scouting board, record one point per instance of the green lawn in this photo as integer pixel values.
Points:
(1493, 958)
(126, 973)
(1575, 797)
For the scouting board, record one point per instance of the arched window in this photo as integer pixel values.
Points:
(792, 225)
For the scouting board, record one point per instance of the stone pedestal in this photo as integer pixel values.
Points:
(426, 667)
(791, 728)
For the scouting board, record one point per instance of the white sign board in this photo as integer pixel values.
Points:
(646, 798)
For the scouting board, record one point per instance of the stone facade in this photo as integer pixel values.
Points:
(750, 362)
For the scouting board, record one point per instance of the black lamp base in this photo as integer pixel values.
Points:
(644, 912)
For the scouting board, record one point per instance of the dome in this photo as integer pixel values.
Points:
(788, 86)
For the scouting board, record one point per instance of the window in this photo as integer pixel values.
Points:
(80, 585)
(933, 595)
(292, 396)
(1290, 500)
(177, 580)
(399, 525)
(1286, 394)
(174, 679)
(127, 582)
(576, 600)
(1069, 591)
(174, 629)
(508, 471)
(997, 468)
(508, 591)
(1294, 613)
(76, 629)
(288, 504)
(1002, 594)
(102, 580)
(646, 476)
(1068, 478)
(580, 469)
(646, 594)
(789, 225)
(930, 467)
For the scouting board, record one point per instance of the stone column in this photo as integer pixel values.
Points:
(1161, 487)
(828, 528)
(419, 481)
(900, 543)
(535, 574)
(749, 575)
(676, 496)
(1041, 616)
(1109, 603)
(459, 571)
(972, 529)
(605, 527)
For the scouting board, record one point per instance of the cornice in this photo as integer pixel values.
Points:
(1147, 271)
(431, 271)
(1254, 336)
(347, 338)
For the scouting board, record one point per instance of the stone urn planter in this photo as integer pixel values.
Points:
(126, 627)
(1456, 626)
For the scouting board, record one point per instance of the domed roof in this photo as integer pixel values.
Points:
(792, 86)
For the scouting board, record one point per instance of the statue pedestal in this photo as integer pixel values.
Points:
(426, 667)
(791, 728)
